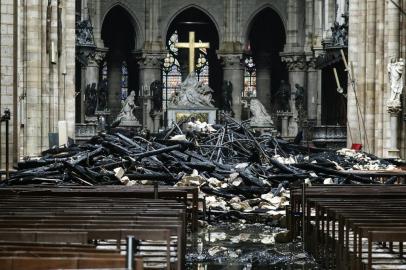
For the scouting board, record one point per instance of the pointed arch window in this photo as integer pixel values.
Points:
(202, 67)
(250, 78)
(124, 80)
(171, 75)
(104, 71)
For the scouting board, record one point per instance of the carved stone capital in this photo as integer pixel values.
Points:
(311, 63)
(394, 108)
(294, 61)
(150, 60)
(231, 61)
(97, 58)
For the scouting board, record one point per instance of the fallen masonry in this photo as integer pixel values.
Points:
(239, 175)
(226, 172)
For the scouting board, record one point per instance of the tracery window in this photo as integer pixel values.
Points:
(124, 80)
(202, 67)
(250, 78)
(171, 75)
(104, 71)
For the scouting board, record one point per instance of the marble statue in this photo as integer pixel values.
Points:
(127, 112)
(260, 117)
(192, 93)
(395, 72)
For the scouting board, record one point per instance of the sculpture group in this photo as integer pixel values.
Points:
(193, 93)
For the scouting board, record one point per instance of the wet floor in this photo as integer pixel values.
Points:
(244, 246)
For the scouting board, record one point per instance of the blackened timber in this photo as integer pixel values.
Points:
(151, 176)
(250, 179)
(316, 168)
(282, 167)
(159, 151)
(115, 148)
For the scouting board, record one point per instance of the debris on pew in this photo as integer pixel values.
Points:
(240, 174)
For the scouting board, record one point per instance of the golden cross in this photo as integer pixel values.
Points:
(192, 45)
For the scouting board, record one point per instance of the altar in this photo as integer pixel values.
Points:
(203, 114)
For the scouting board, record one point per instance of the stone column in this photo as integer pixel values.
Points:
(91, 73)
(233, 71)
(150, 71)
(313, 91)
(263, 66)
(393, 150)
(392, 29)
(114, 64)
(297, 67)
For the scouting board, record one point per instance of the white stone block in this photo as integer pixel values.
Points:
(63, 132)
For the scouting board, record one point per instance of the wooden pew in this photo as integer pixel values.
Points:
(24, 215)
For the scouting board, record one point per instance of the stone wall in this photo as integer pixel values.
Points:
(374, 38)
(7, 72)
(38, 88)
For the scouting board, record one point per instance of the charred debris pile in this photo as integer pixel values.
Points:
(236, 171)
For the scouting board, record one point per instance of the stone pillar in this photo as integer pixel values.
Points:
(114, 64)
(313, 91)
(150, 71)
(393, 150)
(285, 122)
(91, 75)
(263, 66)
(392, 29)
(233, 71)
(297, 67)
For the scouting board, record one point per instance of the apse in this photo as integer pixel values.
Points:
(120, 69)
(195, 20)
(266, 39)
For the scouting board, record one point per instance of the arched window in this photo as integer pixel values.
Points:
(104, 71)
(202, 67)
(171, 75)
(124, 81)
(250, 78)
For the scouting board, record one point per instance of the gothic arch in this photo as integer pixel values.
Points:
(179, 11)
(251, 19)
(139, 35)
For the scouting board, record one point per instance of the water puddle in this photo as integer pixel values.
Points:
(244, 246)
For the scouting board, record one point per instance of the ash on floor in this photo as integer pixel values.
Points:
(244, 246)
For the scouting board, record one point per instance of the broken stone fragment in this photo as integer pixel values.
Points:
(215, 250)
(214, 182)
(125, 180)
(235, 200)
(237, 182)
(241, 206)
(267, 197)
(119, 172)
(216, 236)
(233, 176)
(267, 239)
(328, 181)
(242, 166)
(178, 138)
(244, 237)
(283, 237)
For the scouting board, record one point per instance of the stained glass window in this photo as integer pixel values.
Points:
(202, 67)
(104, 72)
(171, 75)
(124, 81)
(250, 78)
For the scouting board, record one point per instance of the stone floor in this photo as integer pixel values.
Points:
(244, 246)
